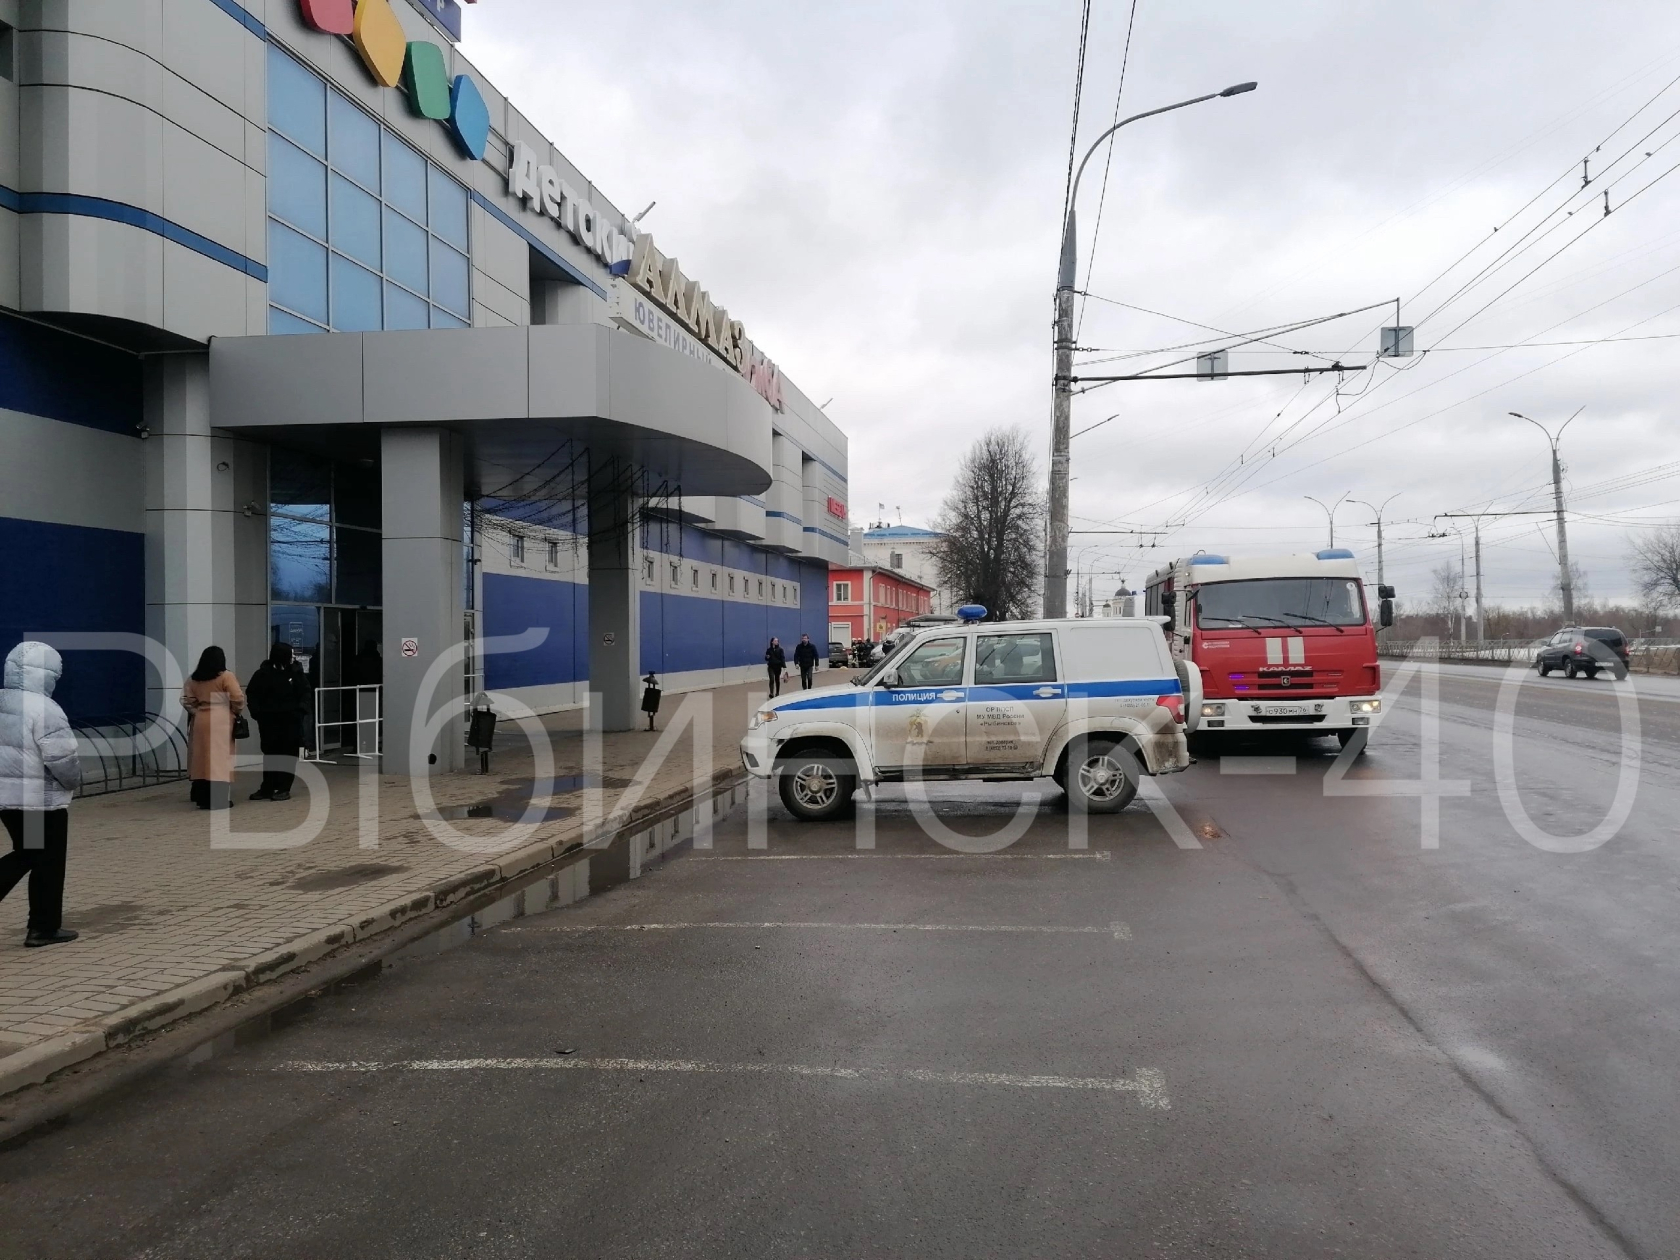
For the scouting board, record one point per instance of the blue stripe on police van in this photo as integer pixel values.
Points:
(881, 698)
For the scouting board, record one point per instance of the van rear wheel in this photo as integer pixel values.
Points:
(1102, 777)
(813, 788)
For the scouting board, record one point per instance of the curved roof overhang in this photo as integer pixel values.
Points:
(518, 396)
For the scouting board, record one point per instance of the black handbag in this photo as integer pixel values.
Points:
(241, 726)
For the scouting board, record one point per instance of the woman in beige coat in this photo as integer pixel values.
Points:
(212, 699)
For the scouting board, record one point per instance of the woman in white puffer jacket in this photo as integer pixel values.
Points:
(39, 773)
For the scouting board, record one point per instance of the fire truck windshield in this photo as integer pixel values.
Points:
(1281, 602)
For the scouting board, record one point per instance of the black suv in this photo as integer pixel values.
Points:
(1584, 650)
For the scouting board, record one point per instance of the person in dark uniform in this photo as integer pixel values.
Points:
(775, 665)
(805, 656)
(279, 699)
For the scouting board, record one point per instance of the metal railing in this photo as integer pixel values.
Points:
(120, 754)
(354, 716)
(1650, 655)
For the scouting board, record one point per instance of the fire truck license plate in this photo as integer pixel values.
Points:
(1286, 710)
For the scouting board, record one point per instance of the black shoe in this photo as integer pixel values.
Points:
(261, 794)
(281, 796)
(37, 939)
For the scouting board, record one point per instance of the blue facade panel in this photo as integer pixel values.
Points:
(77, 579)
(48, 373)
(514, 604)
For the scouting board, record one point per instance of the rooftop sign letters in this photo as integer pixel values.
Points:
(663, 281)
(418, 67)
(545, 193)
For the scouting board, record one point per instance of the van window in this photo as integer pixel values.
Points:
(1013, 658)
(934, 663)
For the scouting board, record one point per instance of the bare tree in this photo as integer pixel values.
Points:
(1579, 589)
(993, 523)
(1444, 586)
(1656, 566)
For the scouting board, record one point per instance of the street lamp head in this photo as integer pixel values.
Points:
(1519, 415)
(1237, 89)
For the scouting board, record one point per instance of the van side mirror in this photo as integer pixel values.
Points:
(1385, 592)
(1385, 612)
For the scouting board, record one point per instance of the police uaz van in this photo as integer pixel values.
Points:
(1093, 704)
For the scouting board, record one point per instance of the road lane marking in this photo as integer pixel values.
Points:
(1148, 1084)
(1118, 930)
(1098, 856)
(1257, 765)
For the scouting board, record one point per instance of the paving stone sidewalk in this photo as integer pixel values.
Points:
(162, 902)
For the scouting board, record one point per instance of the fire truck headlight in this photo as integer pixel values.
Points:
(1213, 710)
(1365, 706)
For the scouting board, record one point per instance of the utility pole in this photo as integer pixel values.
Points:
(1377, 511)
(1330, 511)
(1481, 625)
(1061, 384)
(1566, 580)
(1476, 518)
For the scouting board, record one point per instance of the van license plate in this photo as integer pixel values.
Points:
(1286, 710)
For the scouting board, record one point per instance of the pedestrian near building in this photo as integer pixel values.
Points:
(279, 699)
(39, 773)
(775, 664)
(805, 657)
(213, 700)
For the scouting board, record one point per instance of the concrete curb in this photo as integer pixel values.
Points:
(527, 881)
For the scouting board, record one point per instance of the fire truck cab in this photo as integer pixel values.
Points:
(1282, 643)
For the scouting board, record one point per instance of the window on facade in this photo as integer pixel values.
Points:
(897, 559)
(842, 592)
(323, 531)
(516, 549)
(693, 579)
(647, 570)
(554, 555)
(714, 581)
(761, 588)
(363, 233)
(731, 583)
(676, 573)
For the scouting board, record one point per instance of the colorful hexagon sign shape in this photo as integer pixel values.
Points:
(381, 41)
(330, 17)
(426, 79)
(469, 117)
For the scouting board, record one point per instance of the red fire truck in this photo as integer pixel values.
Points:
(1282, 643)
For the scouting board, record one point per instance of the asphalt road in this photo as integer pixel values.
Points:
(1309, 1035)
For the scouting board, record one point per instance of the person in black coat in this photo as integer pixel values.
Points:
(280, 702)
(775, 663)
(805, 657)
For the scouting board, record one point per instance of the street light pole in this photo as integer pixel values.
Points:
(1330, 511)
(1377, 509)
(1566, 581)
(1061, 386)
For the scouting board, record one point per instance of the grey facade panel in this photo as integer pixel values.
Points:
(277, 382)
(443, 376)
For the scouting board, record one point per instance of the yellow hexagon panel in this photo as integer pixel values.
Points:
(380, 39)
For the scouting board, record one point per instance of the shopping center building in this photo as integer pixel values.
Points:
(307, 334)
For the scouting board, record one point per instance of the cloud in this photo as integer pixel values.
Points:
(876, 190)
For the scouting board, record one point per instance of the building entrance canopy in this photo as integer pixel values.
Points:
(513, 394)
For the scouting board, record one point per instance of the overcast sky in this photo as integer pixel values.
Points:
(876, 190)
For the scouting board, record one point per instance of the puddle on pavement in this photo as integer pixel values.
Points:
(517, 795)
(502, 809)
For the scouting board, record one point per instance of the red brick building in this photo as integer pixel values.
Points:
(869, 603)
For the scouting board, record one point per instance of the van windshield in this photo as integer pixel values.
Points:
(1281, 602)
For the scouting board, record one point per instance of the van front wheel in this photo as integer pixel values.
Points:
(813, 790)
(1102, 777)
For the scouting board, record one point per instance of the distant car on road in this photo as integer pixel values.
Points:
(1584, 650)
(839, 655)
